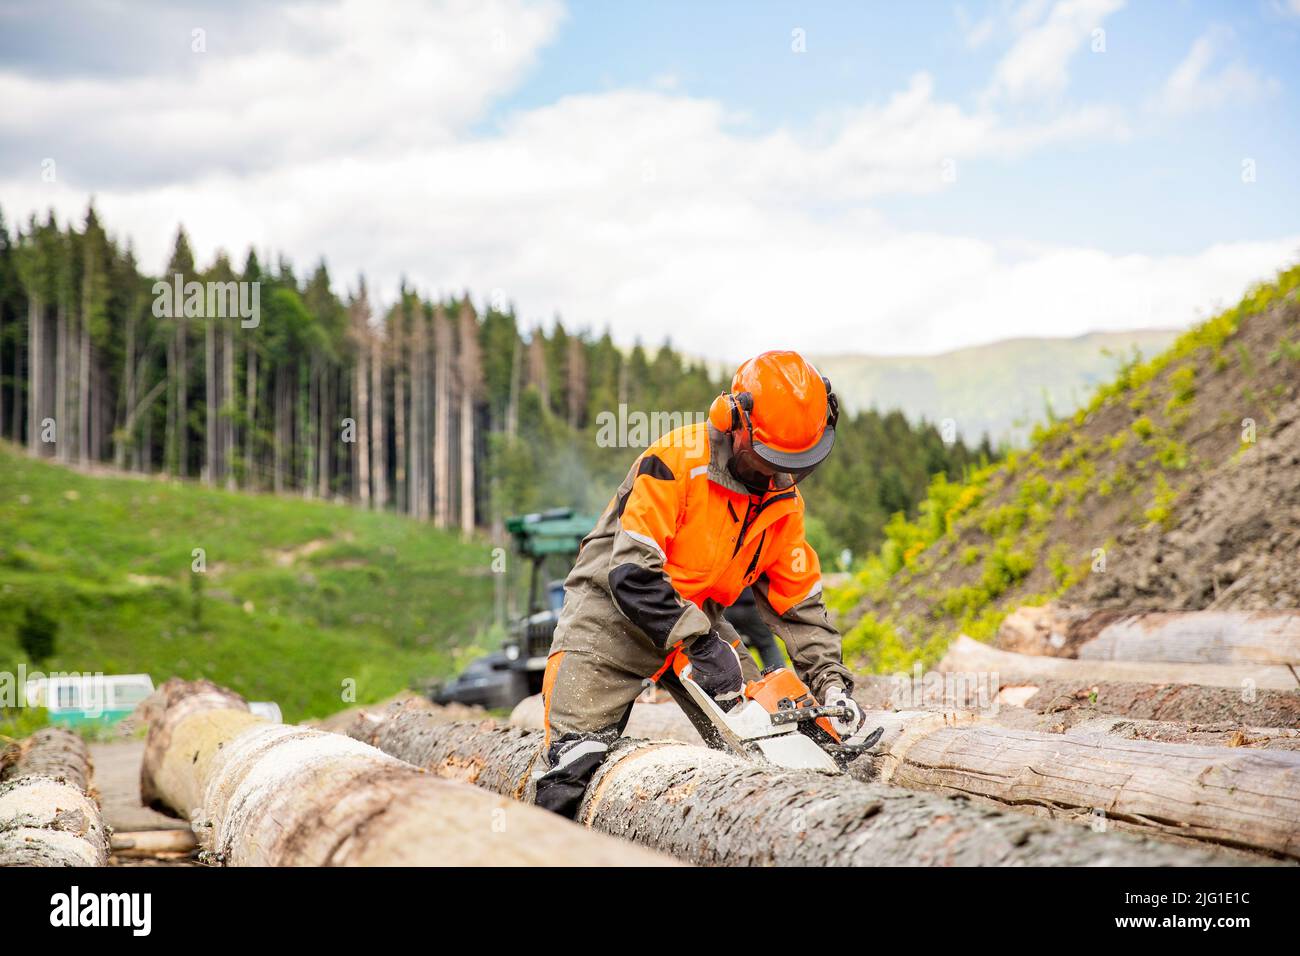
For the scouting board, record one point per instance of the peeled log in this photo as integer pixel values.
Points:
(1188, 637)
(971, 656)
(710, 807)
(262, 794)
(1237, 797)
(47, 817)
(1199, 637)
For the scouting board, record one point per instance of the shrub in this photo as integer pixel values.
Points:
(37, 634)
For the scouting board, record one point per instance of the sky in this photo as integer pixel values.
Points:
(831, 177)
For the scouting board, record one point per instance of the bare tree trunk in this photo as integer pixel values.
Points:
(228, 407)
(63, 444)
(361, 415)
(280, 428)
(18, 410)
(379, 459)
(512, 401)
(35, 379)
(324, 428)
(209, 470)
(47, 817)
(126, 438)
(442, 419)
(250, 418)
(416, 479)
(709, 807)
(399, 413)
(325, 800)
(182, 398)
(310, 422)
(471, 374)
(84, 392)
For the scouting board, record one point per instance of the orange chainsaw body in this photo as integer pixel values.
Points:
(778, 689)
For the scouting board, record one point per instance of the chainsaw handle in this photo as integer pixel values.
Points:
(797, 715)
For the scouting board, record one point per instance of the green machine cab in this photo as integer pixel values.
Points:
(549, 540)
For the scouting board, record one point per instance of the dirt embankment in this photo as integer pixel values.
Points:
(1180, 491)
(1236, 543)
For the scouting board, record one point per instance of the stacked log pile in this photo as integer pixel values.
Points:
(713, 808)
(48, 815)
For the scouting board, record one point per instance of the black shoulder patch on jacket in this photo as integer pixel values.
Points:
(654, 466)
(647, 599)
(651, 465)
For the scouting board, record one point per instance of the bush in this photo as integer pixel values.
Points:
(37, 634)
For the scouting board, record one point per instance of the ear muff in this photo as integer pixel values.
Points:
(730, 413)
(722, 413)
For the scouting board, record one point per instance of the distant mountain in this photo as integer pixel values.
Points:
(1000, 389)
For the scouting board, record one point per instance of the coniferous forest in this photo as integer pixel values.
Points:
(436, 407)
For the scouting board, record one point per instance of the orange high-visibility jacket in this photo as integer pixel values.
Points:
(678, 543)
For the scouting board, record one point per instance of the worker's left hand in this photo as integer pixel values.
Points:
(851, 723)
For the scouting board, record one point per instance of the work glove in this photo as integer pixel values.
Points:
(851, 723)
(715, 666)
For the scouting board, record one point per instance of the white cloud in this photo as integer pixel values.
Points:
(1194, 85)
(650, 210)
(365, 78)
(1036, 66)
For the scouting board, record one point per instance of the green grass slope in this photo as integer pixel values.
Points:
(999, 389)
(298, 597)
(1086, 493)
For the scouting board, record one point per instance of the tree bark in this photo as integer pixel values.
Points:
(46, 816)
(709, 807)
(263, 794)
(971, 656)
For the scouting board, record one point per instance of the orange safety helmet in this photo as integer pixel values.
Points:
(782, 409)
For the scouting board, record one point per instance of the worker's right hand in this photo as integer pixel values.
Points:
(715, 666)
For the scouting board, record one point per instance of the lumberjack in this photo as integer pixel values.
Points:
(706, 511)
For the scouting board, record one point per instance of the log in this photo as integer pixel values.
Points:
(1199, 637)
(263, 794)
(662, 720)
(1080, 699)
(1174, 713)
(971, 656)
(709, 807)
(47, 814)
(1236, 797)
(1187, 637)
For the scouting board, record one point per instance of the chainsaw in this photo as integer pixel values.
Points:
(778, 720)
